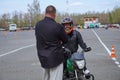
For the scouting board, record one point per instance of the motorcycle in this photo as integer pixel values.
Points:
(75, 64)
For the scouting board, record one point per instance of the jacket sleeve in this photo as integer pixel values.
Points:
(62, 35)
(80, 41)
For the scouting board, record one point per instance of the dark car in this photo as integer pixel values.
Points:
(116, 26)
(2, 29)
(113, 26)
(25, 28)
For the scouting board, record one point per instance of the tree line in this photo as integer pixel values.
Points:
(34, 14)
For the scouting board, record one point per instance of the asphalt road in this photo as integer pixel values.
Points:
(19, 61)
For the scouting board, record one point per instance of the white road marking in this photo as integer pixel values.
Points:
(102, 42)
(13, 51)
(114, 59)
(119, 66)
(116, 62)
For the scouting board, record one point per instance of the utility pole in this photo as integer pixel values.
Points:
(67, 7)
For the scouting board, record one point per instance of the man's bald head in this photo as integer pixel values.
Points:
(50, 10)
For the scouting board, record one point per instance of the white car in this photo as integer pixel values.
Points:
(12, 27)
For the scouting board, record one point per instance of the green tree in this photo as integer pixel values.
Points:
(116, 15)
(110, 18)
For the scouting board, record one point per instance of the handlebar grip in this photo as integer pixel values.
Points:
(88, 49)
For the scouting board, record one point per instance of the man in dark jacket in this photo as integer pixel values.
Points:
(49, 39)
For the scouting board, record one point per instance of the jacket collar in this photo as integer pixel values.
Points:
(49, 18)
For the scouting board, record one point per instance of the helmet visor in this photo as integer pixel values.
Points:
(68, 25)
(67, 20)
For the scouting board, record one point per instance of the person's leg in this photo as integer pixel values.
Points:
(86, 71)
(56, 73)
(46, 74)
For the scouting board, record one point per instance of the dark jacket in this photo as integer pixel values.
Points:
(49, 38)
(74, 40)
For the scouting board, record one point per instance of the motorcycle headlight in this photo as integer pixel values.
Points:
(80, 64)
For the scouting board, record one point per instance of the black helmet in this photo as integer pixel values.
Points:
(67, 20)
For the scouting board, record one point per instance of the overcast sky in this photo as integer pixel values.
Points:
(74, 6)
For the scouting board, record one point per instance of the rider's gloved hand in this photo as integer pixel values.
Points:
(87, 49)
(67, 52)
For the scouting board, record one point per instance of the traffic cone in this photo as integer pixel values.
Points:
(113, 52)
(4, 33)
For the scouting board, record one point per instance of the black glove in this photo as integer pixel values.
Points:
(67, 52)
(87, 49)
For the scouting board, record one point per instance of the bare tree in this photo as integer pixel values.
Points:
(15, 17)
(4, 20)
(26, 19)
(34, 12)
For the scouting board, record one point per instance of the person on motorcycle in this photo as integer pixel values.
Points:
(74, 38)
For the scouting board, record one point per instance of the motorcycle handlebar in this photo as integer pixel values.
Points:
(68, 52)
(87, 49)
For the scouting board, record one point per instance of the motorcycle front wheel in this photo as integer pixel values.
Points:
(86, 77)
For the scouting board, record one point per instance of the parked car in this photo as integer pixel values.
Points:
(112, 26)
(116, 25)
(12, 27)
(25, 28)
(2, 29)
